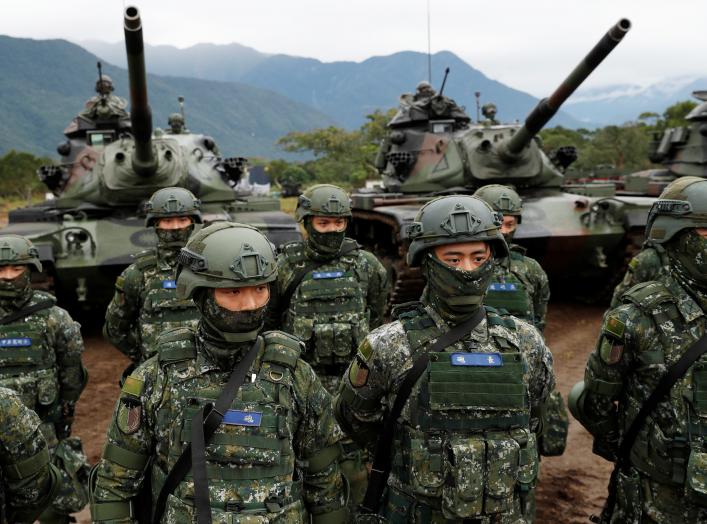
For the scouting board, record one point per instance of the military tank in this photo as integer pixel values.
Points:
(87, 233)
(681, 151)
(583, 234)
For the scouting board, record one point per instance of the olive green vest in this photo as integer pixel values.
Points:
(328, 310)
(28, 365)
(250, 458)
(666, 450)
(161, 310)
(509, 291)
(465, 447)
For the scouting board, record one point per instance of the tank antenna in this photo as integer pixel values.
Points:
(180, 99)
(429, 46)
(477, 95)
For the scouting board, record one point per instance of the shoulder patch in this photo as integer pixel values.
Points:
(120, 283)
(358, 373)
(365, 350)
(611, 351)
(133, 386)
(615, 326)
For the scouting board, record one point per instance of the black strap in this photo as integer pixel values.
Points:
(382, 460)
(675, 373)
(193, 457)
(284, 299)
(22, 313)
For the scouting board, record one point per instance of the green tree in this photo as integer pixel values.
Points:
(18, 177)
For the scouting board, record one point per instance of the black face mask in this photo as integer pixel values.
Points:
(173, 239)
(231, 326)
(456, 294)
(16, 290)
(688, 258)
(328, 244)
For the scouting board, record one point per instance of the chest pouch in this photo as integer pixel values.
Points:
(510, 293)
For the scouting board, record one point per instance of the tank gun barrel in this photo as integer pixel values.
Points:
(144, 160)
(547, 107)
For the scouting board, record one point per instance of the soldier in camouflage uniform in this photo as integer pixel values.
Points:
(176, 124)
(40, 359)
(331, 293)
(649, 264)
(275, 456)
(665, 479)
(465, 446)
(520, 286)
(105, 105)
(145, 302)
(29, 480)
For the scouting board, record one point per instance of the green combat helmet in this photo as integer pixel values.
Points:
(172, 202)
(682, 205)
(104, 85)
(211, 259)
(454, 219)
(323, 200)
(16, 250)
(502, 199)
(176, 123)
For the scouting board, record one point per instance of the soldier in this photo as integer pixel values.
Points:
(29, 480)
(105, 105)
(332, 293)
(464, 445)
(274, 457)
(145, 302)
(520, 286)
(657, 440)
(650, 263)
(424, 91)
(176, 124)
(489, 112)
(41, 361)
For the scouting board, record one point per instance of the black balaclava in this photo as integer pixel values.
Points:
(170, 241)
(323, 245)
(687, 252)
(454, 293)
(227, 334)
(15, 292)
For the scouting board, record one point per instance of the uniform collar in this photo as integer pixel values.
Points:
(480, 332)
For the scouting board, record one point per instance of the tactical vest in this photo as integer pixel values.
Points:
(28, 366)
(160, 309)
(666, 450)
(328, 310)
(250, 458)
(465, 447)
(509, 291)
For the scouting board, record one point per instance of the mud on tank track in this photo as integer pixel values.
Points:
(571, 488)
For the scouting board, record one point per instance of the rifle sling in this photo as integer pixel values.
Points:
(25, 312)
(193, 457)
(382, 460)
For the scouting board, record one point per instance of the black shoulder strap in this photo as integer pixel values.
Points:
(284, 299)
(382, 460)
(22, 313)
(675, 373)
(204, 424)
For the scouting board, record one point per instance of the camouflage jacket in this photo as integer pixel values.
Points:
(639, 341)
(521, 287)
(145, 305)
(445, 425)
(28, 481)
(649, 264)
(334, 307)
(277, 448)
(40, 359)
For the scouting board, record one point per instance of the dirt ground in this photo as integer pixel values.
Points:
(572, 486)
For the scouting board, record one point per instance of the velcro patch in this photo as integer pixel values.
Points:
(502, 287)
(234, 417)
(319, 275)
(611, 351)
(133, 386)
(169, 284)
(615, 327)
(365, 350)
(20, 342)
(129, 417)
(119, 283)
(477, 359)
(358, 374)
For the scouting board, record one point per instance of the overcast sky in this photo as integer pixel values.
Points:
(527, 44)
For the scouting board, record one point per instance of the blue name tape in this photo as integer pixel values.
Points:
(498, 286)
(233, 417)
(477, 359)
(15, 342)
(318, 275)
(169, 284)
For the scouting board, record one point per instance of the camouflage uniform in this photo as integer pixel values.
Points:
(29, 480)
(666, 479)
(274, 458)
(105, 105)
(335, 305)
(40, 359)
(647, 265)
(465, 445)
(145, 303)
